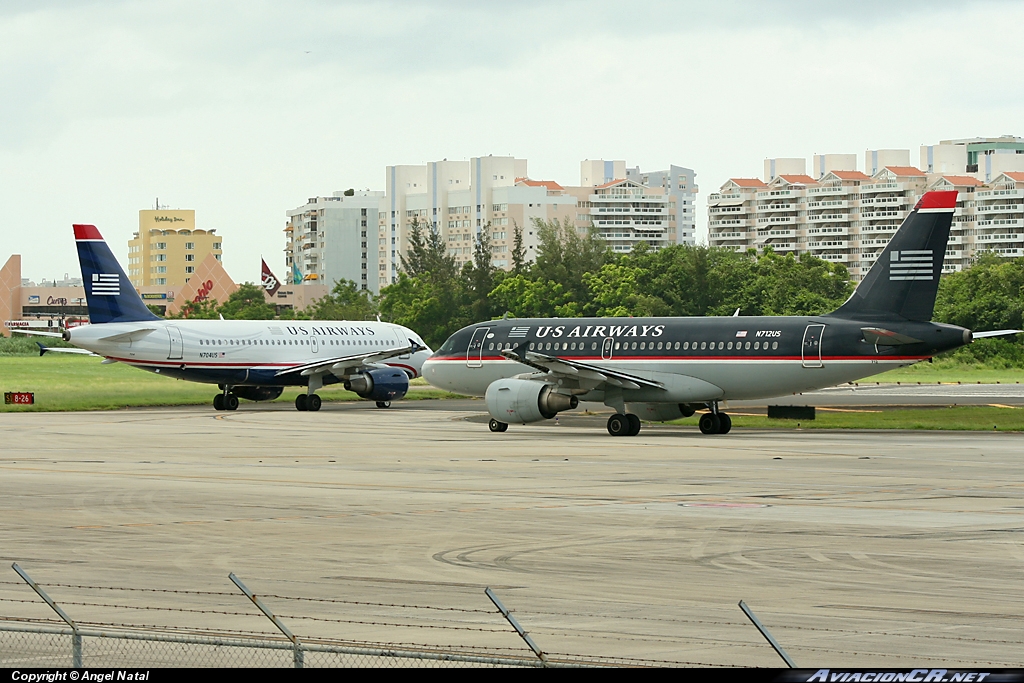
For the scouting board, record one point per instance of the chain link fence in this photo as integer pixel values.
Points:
(25, 646)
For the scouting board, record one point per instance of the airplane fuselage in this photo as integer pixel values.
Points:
(695, 359)
(244, 352)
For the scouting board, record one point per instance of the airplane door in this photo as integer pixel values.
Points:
(174, 336)
(475, 352)
(606, 348)
(811, 350)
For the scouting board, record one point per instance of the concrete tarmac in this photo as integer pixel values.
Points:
(854, 547)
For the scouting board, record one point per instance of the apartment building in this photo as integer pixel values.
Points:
(680, 184)
(328, 238)
(999, 211)
(167, 248)
(732, 214)
(846, 216)
(459, 199)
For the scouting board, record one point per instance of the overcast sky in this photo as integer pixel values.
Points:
(243, 110)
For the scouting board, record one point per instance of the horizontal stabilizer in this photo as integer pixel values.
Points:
(50, 349)
(877, 335)
(39, 333)
(994, 333)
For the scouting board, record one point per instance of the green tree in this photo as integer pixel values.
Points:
(248, 302)
(197, 310)
(345, 302)
(987, 296)
(518, 250)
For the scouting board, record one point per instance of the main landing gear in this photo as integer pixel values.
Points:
(623, 424)
(310, 402)
(715, 422)
(225, 401)
(387, 404)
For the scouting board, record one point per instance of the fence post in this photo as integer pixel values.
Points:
(515, 624)
(297, 655)
(76, 637)
(767, 635)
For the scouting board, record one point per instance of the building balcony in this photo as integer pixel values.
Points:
(875, 214)
(1005, 237)
(769, 234)
(779, 206)
(821, 233)
(1001, 194)
(778, 247)
(744, 222)
(884, 201)
(776, 220)
(829, 244)
(727, 209)
(638, 224)
(830, 204)
(1009, 222)
(836, 258)
(729, 236)
(829, 218)
(999, 208)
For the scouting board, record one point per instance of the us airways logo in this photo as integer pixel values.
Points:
(912, 264)
(106, 284)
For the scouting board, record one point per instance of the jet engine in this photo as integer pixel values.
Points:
(257, 393)
(525, 400)
(384, 384)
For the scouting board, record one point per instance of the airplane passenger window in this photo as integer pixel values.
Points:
(677, 346)
(616, 346)
(721, 345)
(730, 346)
(642, 345)
(634, 346)
(490, 347)
(547, 347)
(686, 346)
(593, 346)
(757, 345)
(659, 346)
(747, 346)
(531, 346)
(775, 345)
(703, 345)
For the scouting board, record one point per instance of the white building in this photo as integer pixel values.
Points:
(327, 238)
(681, 185)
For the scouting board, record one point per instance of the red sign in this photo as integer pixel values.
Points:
(203, 292)
(21, 398)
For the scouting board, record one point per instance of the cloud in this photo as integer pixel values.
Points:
(243, 110)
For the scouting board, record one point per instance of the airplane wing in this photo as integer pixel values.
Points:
(343, 365)
(572, 369)
(50, 349)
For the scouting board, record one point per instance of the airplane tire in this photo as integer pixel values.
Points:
(230, 402)
(218, 402)
(300, 402)
(385, 404)
(634, 424)
(724, 423)
(497, 426)
(709, 423)
(618, 425)
(312, 402)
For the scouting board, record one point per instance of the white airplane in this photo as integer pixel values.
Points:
(250, 359)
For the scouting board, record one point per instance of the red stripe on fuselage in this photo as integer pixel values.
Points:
(594, 359)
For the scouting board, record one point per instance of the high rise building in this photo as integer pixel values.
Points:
(329, 239)
(848, 217)
(168, 247)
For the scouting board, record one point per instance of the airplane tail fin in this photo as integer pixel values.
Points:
(108, 291)
(905, 278)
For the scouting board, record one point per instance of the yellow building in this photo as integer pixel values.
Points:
(167, 248)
